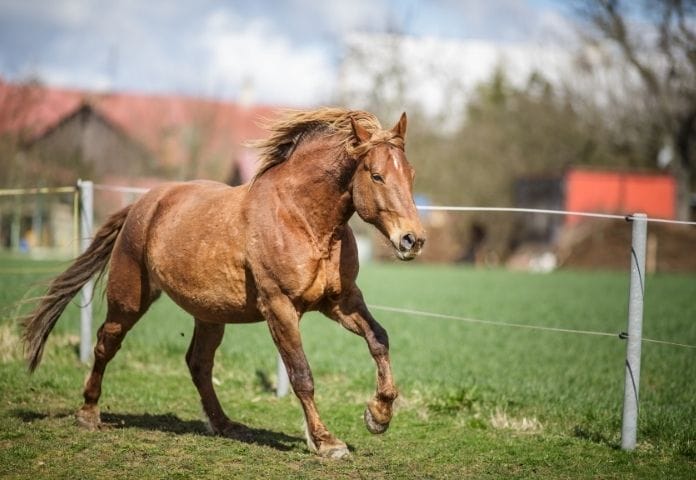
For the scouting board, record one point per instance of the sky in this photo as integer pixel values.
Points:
(285, 52)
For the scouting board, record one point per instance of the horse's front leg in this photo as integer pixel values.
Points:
(351, 312)
(283, 322)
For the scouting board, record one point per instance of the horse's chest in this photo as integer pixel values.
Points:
(324, 281)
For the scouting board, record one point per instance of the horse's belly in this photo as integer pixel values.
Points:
(218, 292)
(214, 308)
(195, 253)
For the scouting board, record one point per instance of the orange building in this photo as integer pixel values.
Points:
(602, 191)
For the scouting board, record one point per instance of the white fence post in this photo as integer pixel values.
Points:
(86, 212)
(629, 425)
(283, 381)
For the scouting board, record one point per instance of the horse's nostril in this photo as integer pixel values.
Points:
(407, 241)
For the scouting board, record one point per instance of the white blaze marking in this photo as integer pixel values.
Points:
(396, 162)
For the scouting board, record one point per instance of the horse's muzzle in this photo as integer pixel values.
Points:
(409, 246)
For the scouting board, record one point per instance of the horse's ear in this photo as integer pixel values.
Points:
(400, 128)
(360, 132)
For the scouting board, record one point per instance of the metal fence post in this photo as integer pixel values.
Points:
(629, 425)
(86, 212)
(283, 380)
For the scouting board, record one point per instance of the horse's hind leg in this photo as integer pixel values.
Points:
(109, 338)
(200, 358)
(129, 296)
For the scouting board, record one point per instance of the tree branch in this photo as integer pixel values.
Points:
(687, 40)
(610, 22)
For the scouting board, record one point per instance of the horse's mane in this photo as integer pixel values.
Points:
(293, 125)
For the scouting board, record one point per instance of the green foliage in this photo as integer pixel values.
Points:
(507, 133)
(469, 392)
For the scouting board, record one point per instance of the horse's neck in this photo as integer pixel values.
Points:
(318, 181)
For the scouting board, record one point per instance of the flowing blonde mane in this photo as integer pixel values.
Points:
(292, 125)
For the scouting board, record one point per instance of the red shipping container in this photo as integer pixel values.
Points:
(619, 193)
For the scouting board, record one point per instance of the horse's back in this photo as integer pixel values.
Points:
(171, 207)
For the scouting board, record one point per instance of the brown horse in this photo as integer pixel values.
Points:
(270, 250)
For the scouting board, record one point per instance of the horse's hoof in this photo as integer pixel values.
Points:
(228, 429)
(334, 451)
(372, 425)
(88, 418)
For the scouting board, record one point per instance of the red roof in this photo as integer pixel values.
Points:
(30, 110)
(167, 125)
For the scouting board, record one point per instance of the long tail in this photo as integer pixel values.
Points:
(39, 323)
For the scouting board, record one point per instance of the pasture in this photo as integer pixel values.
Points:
(476, 401)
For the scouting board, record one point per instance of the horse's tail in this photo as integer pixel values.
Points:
(38, 324)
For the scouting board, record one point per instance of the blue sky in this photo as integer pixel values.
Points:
(289, 50)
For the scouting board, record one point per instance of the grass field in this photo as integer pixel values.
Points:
(476, 401)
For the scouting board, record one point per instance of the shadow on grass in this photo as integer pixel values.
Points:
(170, 423)
(29, 416)
(264, 382)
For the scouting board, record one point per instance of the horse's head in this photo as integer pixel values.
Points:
(383, 188)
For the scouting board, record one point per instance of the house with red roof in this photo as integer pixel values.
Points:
(61, 135)
(53, 136)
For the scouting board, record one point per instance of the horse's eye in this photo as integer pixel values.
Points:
(377, 178)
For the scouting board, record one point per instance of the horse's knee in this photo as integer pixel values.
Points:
(195, 366)
(302, 383)
(201, 352)
(379, 341)
(379, 350)
(200, 370)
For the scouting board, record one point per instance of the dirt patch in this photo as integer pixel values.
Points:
(607, 245)
(501, 420)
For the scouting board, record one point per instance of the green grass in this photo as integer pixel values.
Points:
(476, 401)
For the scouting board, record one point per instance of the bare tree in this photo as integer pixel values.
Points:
(657, 41)
(16, 103)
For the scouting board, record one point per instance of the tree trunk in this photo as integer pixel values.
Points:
(683, 200)
(684, 137)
